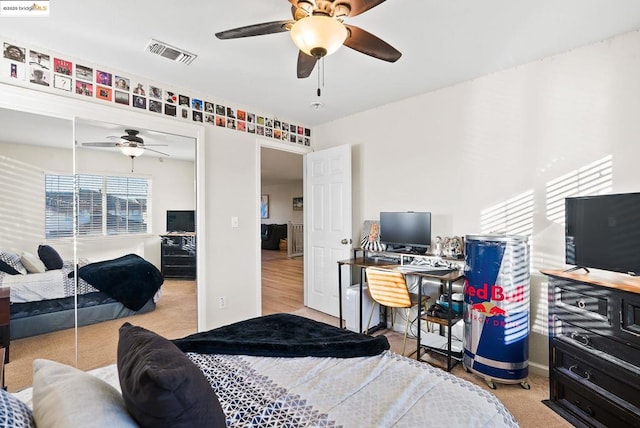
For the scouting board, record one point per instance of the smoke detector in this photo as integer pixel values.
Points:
(173, 53)
(316, 105)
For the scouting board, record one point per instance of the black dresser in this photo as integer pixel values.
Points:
(594, 348)
(178, 255)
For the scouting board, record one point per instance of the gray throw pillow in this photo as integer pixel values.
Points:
(64, 396)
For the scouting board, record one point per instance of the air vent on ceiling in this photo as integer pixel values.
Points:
(157, 47)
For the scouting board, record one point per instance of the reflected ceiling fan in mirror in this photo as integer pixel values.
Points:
(129, 145)
(318, 30)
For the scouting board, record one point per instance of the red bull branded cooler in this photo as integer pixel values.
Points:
(496, 308)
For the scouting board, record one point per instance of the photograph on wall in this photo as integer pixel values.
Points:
(209, 107)
(292, 137)
(196, 104)
(221, 110)
(62, 82)
(184, 113)
(122, 97)
(155, 92)
(260, 130)
(251, 117)
(221, 121)
(139, 90)
(297, 204)
(260, 120)
(241, 115)
(155, 106)
(231, 123)
(264, 206)
(84, 88)
(268, 123)
(84, 73)
(16, 70)
(300, 130)
(307, 141)
(139, 102)
(170, 97)
(170, 110)
(39, 66)
(241, 126)
(231, 112)
(197, 116)
(210, 119)
(276, 124)
(284, 126)
(277, 134)
(307, 132)
(122, 83)
(62, 66)
(300, 139)
(268, 132)
(285, 135)
(183, 101)
(104, 93)
(14, 53)
(103, 78)
(39, 76)
(251, 127)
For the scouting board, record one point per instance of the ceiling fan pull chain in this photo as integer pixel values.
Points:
(319, 67)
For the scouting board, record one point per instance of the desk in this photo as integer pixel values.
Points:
(362, 263)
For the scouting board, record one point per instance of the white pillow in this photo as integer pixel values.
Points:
(32, 263)
(64, 396)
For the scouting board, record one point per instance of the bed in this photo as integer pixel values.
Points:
(45, 302)
(295, 383)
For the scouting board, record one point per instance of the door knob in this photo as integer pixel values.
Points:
(346, 241)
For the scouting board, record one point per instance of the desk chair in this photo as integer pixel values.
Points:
(389, 288)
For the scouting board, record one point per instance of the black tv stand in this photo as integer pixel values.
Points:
(577, 268)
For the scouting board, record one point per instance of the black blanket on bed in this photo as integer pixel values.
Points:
(283, 335)
(129, 279)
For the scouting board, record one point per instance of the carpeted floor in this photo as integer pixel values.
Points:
(174, 316)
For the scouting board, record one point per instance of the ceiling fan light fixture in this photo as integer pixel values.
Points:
(318, 35)
(132, 151)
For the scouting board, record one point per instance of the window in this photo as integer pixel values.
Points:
(106, 205)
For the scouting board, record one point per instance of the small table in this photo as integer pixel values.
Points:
(5, 314)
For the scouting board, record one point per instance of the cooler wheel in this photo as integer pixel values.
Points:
(525, 385)
(491, 384)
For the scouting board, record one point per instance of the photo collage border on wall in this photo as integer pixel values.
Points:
(43, 69)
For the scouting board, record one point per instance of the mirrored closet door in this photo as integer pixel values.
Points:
(36, 231)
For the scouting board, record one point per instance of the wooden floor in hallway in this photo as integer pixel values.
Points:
(282, 282)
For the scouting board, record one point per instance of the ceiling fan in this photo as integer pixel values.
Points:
(318, 29)
(130, 145)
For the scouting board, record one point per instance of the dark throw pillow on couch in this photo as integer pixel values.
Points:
(161, 386)
(50, 257)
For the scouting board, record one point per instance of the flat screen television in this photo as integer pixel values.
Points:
(603, 232)
(406, 231)
(181, 221)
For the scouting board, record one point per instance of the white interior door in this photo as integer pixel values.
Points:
(327, 196)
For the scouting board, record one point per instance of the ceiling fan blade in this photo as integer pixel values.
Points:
(306, 63)
(101, 144)
(361, 6)
(156, 151)
(256, 30)
(365, 42)
(152, 145)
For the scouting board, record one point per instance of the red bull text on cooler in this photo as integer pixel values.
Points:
(496, 307)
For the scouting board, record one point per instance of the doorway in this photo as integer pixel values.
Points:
(281, 178)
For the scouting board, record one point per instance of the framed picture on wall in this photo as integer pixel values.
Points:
(297, 204)
(264, 206)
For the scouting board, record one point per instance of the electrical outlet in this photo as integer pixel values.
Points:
(223, 302)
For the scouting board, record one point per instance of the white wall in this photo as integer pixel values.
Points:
(172, 188)
(502, 143)
(281, 202)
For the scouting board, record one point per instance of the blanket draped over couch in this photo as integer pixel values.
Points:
(283, 335)
(130, 279)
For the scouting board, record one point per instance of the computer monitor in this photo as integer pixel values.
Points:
(181, 221)
(406, 231)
